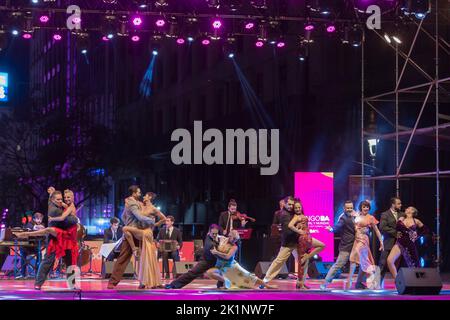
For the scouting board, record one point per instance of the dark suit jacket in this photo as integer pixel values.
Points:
(176, 235)
(223, 219)
(108, 235)
(277, 216)
(388, 228)
(289, 238)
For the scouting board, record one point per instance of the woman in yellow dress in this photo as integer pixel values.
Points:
(149, 275)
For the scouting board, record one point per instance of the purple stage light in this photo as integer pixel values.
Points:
(44, 18)
(57, 37)
(137, 21)
(135, 38)
(259, 44)
(205, 42)
(217, 24)
(281, 44)
(249, 25)
(26, 36)
(180, 41)
(160, 23)
(331, 29)
(105, 38)
(309, 27)
(76, 20)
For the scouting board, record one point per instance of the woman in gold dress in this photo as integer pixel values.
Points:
(149, 275)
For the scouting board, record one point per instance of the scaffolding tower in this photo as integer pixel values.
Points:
(433, 91)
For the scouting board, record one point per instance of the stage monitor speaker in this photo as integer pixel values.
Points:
(109, 266)
(263, 266)
(420, 281)
(8, 265)
(183, 267)
(319, 270)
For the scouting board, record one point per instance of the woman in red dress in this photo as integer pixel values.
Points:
(299, 224)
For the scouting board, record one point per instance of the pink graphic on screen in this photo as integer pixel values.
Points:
(315, 190)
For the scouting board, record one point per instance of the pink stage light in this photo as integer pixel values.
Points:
(134, 38)
(217, 24)
(331, 29)
(44, 18)
(26, 36)
(281, 44)
(205, 42)
(249, 25)
(180, 41)
(259, 44)
(57, 37)
(309, 27)
(105, 38)
(76, 20)
(137, 21)
(160, 23)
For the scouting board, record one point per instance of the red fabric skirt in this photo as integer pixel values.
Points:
(65, 240)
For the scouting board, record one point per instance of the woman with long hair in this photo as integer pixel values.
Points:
(361, 254)
(409, 228)
(228, 270)
(307, 246)
(149, 275)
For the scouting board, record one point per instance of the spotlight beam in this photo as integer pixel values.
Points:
(145, 88)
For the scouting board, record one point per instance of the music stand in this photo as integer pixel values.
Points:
(244, 234)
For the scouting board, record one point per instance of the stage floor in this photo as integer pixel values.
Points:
(201, 289)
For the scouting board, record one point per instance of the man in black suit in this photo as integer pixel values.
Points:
(113, 234)
(169, 232)
(228, 220)
(208, 261)
(388, 223)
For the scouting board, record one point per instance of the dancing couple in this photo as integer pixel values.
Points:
(62, 232)
(295, 236)
(139, 218)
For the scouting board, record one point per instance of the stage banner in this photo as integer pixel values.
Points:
(315, 190)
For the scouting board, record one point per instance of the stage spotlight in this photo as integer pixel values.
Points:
(302, 53)
(323, 7)
(330, 27)
(57, 37)
(190, 39)
(26, 36)
(161, 3)
(217, 24)
(205, 41)
(135, 38)
(355, 36)
(34, 1)
(249, 25)
(229, 47)
(259, 43)
(281, 43)
(15, 32)
(44, 18)
(160, 22)
(309, 26)
(123, 28)
(308, 30)
(172, 31)
(387, 38)
(418, 8)
(105, 38)
(141, 4)
(213, 3)
(259, 4)
(233, 5)
(155, 52)
(137, 21)
(180, 41)
(396, 39)
(110, 36)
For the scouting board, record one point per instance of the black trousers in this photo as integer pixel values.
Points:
(47, 264)
(197, 271)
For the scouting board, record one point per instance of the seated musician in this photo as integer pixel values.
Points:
(169, 232)
(229, 220)
(35, 224)
(113, 234)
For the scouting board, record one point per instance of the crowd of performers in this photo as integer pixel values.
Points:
(397, 234)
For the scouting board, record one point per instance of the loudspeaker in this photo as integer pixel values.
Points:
(319, 270)
(183, 267)
(108, 268)
(263, 266)
(8, 265)
(423, 281)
